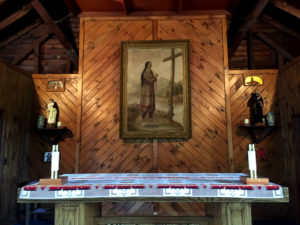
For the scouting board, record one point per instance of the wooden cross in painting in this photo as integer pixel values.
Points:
(172, 58)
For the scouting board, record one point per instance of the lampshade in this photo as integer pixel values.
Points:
(253, 81)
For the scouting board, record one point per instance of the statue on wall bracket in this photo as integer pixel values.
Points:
(51, 114)
(256, 104)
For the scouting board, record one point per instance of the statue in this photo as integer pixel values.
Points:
(256, 104)
(51, 114)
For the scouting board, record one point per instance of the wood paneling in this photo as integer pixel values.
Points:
(15, 103)
(289, 87)
(207, 149)
(67, 104)
(53, 56)
(240, 96)
(272, 166)
(101, 148)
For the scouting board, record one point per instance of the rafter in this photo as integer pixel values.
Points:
(281, 27)
(283, 5)
(25, 52)
(241, 32)
(273, 45)
(15, 16)
(71, 51)
(20, 33)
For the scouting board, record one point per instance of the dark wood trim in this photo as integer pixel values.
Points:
(239, 35)
(15, 16)
(273, 45)
(71, 51)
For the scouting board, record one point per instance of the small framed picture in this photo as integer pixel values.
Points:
(55, 85)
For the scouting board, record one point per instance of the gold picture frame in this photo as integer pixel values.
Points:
(55, 85)
(155, 90)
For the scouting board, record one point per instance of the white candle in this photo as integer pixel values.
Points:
(252, 161)
(55, 161)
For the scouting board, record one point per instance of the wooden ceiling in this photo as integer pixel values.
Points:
(21, 17)
(133, 6)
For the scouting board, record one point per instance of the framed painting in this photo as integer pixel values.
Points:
(55, 85)
(155, 90)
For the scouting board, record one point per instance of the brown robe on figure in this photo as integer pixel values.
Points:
(147, 104)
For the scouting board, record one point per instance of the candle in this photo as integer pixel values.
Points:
(252, 161)
(54, 162)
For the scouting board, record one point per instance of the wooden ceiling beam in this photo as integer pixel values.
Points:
(273, 45)
(71, 51)
(28, 50)
(283, 5)
(281, 27)
(20, 33)
(241, 32)
(15, 16)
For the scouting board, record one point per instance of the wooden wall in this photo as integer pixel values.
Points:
(270, 147)
(90, 107)
(289, 87)
(67, 104)
(15, 100)
(239, 96)
(101, 148)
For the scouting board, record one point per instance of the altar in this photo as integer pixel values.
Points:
(228, 200)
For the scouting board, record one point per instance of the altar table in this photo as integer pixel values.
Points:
(228, 201)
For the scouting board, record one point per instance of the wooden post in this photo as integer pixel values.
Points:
(36, 59)
(229, 213)
(227, 98)
(250, 51)
(76, 213)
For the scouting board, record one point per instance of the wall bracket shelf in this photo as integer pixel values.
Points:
(53, 135)
(258, 132)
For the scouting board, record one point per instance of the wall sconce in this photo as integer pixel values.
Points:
(253, 81)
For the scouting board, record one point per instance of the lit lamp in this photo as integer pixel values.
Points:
(253, 81)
